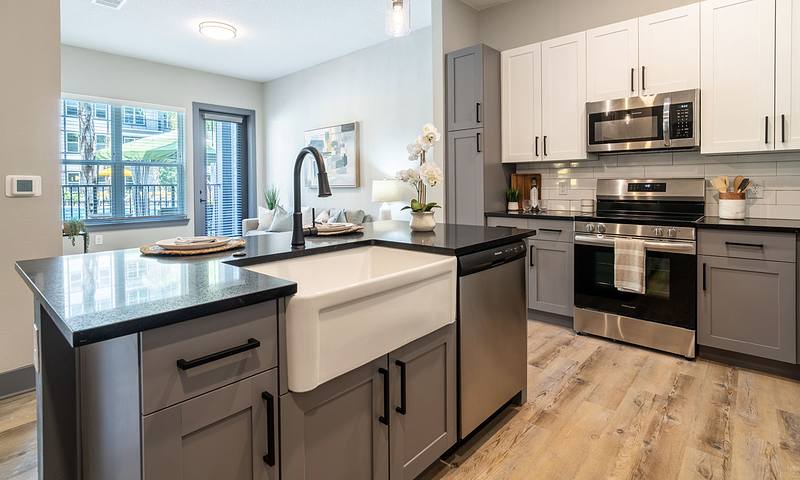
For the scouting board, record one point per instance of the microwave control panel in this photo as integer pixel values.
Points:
(680, 120)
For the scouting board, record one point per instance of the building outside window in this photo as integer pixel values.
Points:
(117, 166)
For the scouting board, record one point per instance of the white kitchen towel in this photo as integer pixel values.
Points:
(629, 265)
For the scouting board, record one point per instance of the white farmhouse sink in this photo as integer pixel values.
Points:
(355, 305)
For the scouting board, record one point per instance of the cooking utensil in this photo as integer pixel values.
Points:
(720, 183)
(737, 182)
(743, 185)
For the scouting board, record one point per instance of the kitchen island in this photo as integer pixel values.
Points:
(127, 386)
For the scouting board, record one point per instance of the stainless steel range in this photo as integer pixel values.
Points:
(662, 213)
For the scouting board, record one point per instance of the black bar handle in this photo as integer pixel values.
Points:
(187, 364)
(478, 142)
(269, 457)
(783, 128)
(478, 112)
(402, 408)
(643, 87)
(704, 276)
(766, 129)
(633, 70)
(536, 146)
(531, 252)
(751, 245)
(384, 419)
(544, 145)
(551, 230)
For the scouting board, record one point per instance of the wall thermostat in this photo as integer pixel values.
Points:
(23, 186)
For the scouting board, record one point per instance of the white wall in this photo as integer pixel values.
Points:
(88, 72)
(386, 88)
(29, 135)
(521, 22)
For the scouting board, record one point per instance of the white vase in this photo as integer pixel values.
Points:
(513, 206)
(422, 221)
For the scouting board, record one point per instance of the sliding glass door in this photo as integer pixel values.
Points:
(222, 166)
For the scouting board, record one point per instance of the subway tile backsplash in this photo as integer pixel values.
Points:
(565, 184)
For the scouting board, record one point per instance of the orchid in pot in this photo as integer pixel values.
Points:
(428, 174)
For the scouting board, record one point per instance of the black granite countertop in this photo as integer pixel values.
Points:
(99, 296)
(758, 224)
(547, 214)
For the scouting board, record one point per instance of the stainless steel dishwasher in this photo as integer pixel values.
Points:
(492, 332)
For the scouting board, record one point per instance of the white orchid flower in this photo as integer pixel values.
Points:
(431, 174)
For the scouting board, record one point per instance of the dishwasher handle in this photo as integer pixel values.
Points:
(486, 259)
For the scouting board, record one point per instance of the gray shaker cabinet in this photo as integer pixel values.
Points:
(550, 277)
(423, 407)
(465, 177)
(747, 306)
(227, 433)
(337, 430)
(465, 88)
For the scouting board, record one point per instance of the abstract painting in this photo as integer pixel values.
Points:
(339, 148)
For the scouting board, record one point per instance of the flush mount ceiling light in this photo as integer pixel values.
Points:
(398, 17)
(217, 30)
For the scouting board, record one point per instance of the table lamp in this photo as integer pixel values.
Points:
(387, 191)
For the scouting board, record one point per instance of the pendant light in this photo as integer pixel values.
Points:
(398, 17)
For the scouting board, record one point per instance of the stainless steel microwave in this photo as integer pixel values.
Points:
(653, 122)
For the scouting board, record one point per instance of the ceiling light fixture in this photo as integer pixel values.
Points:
(217, 30)
(398, 17)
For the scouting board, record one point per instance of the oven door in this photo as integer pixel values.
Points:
(671, 281)
(626, 129)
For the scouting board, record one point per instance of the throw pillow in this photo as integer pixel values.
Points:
(282, 221)
(355, 216)
(322, 217)
(265, 217)
(337, 216)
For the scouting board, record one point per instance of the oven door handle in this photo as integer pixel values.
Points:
(688, 248)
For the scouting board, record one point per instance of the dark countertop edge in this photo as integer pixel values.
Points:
(768, 225)
(156, 320)
(561, 215)
(519, 234)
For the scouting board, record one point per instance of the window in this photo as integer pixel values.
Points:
(133, 116)
(117, 166)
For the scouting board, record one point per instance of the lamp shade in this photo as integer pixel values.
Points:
(387, 191)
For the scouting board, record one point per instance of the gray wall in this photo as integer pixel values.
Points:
(522, 22)
(386, 88)
(89, 72)
(29, 39)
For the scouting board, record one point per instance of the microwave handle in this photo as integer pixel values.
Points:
(665, 115)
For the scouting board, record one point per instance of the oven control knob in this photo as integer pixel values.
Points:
(601, 228)
(672, 232)
(589, 227)
(658, 232)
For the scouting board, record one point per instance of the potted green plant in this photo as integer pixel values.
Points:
(428, 174)
(73, 228)
(512, 196)
(272, 197)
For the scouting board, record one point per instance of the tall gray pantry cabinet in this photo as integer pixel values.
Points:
(476, 178)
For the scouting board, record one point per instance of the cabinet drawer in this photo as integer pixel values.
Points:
(778, 247)
(207, 349)
(554, 230)
(507, 222)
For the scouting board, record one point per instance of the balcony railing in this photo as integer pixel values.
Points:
(82, 202)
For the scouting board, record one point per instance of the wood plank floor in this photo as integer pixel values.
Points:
(596, 410)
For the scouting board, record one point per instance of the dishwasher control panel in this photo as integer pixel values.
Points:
(475, 262)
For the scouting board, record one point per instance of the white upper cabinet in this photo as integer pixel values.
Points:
(669, 50)
(737, 75)
(521, 92)
(787, 80)
(612, 61)
(564, 98)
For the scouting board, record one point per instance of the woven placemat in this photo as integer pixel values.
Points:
(153, 249)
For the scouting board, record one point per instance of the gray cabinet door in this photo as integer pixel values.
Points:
(222, 434)
(465, 177)
(423, 407)
(464, 88)
(747, 306)
(336, 431)
(550, 277)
